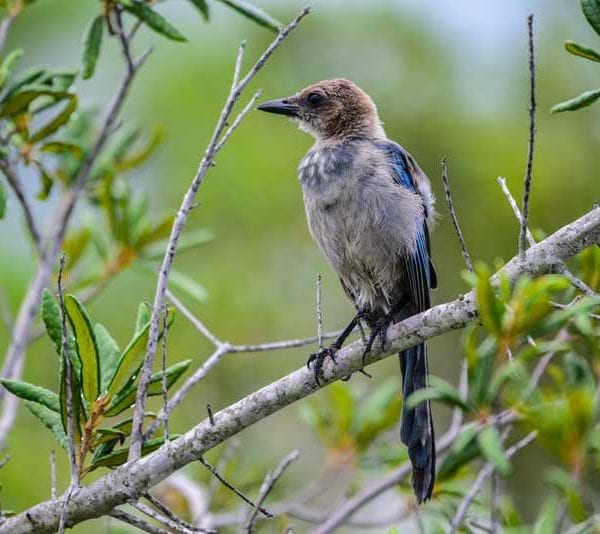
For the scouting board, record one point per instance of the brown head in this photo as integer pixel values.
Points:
(331, 110)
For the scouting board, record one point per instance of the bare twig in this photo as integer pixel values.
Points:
(15, 184)
(211, 151)
(133, 478)
(585, 526)
(531, 144)
(576, 282)
(165, 396)
(267, 485)
(53, 481)
(319, 315)
(199, 325)
(173, 524)
(461, 239)
(232, 487)
(483, 475)
(166, 511)
(137, 522)
(226, 456)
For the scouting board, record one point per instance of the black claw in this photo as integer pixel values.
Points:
(318, 358)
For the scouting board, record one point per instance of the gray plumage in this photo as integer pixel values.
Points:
(370, 210)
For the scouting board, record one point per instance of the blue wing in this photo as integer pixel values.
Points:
(419, 267)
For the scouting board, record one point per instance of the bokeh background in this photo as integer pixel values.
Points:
(449, 79)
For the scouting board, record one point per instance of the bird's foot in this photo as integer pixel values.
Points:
(379, 331)
(315, 360)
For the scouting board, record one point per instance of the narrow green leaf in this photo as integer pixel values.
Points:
(491, 446)
(50, 419)
(92, 41)
(58, 147)
(75, 245)
(582, 51)
(188, 285)
(33, 393)
(188, 241)
(202, 6)
(162, 230)
(581, 101)
(119, 456)
(56, 122)
(87, 348)
(143, 316)
(254, 13)
(130, 362)
(591, 10)
(3, 200)
(490, 308)
(126, 398)
(439, 390)
(109, 353)
(20, 100)
(152, 19)
(51, 318)
(8, 64)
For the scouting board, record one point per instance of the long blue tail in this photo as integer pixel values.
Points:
(416, 430)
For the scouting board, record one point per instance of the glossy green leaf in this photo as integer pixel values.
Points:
(3, 200)
(130, 362)
(8, 64)
(491, 445)
(119, 457)
(87, 348)
(126, 398)
(591, 10)
(57, 121)
(51, 319)
(109, 353)
(581, 101)
(202, 6)
(490, 308)
(33, 393)
(58, 147)
(50, 419)
(20, 100)
(92, 41)
(152, 19)
(144, 315)
(254, 13)
(582, 51)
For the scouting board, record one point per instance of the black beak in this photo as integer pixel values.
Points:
(281, 106)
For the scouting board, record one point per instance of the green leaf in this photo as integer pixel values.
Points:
(490, 308)
(254, 13)
(143, 316)
(188, 241)
(491, 446)
(380, 411)
(581, 101)
(548, 516)
(50, 419)
(92, 41)
(7, 65)
(127, 397)
(152, 19)
(19, 101)
(130, 362)
(56, 122)
(464, 449)
(75, 245)
(582, 51)
(3, 200)
(161, 231)
(51, 318)
(119, 456)
(591, 10)
(33, 393)
(87, 348)
(188, 285)
(439, 390)
(109, 353)
(58, 147)
(202, 6)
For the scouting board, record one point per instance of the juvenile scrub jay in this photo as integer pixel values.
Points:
(370, 209)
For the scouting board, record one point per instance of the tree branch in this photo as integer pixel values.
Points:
(133, 479)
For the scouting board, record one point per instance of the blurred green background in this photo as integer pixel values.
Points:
(449, 79)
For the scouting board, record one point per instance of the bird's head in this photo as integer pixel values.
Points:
(330, 110)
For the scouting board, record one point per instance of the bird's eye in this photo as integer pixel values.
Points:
(314, 99)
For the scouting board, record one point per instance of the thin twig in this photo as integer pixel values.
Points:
(66, 356)
(165, 396)
(166, 511)
(137, 522)
(199, 325)
(531, 143)
(234, 125)
(188, 201)
(226, 456)
(266, 487)
(15, 184)
(585, 526)
(232, 487)
(174, 525)
(576, 282)
(319, 315)
(53, 481)
(461, 239)
(483, 475)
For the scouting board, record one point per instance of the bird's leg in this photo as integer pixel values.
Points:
(316, 359)
(380, 326)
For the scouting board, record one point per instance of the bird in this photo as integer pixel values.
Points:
(370, 209)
